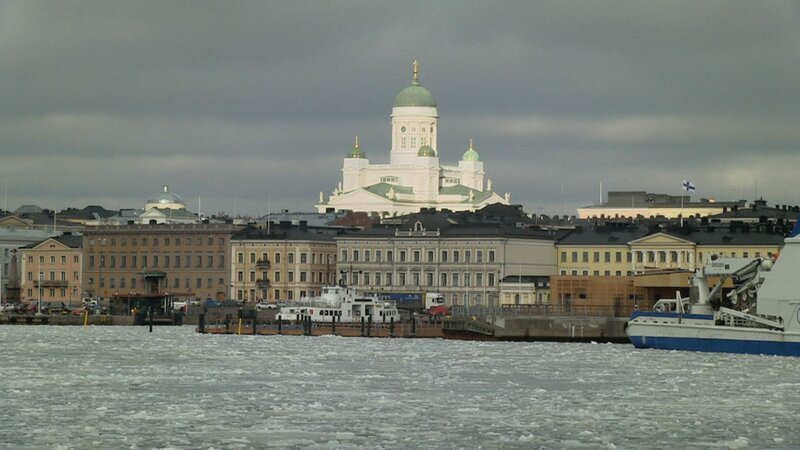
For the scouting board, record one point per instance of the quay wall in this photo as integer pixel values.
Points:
(56, 319)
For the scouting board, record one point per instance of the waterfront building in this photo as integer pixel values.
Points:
(617, 249)
(17, 231)
(632, 204)
(163, 207)
(457, 254)
(525, 290)
(185, 260)
(283, 262)
(611, 267)
(51, 270)
(414, 178)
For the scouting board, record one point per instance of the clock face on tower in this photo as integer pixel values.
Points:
(402, 129)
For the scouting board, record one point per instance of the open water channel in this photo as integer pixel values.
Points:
(122, 387)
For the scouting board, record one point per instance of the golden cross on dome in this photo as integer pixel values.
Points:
(356, 146)
(415, 66)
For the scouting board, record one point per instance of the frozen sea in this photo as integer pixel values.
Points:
(122, 387)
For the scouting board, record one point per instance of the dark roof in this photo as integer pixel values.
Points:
(87, 213)
(68, 239)
(287, 233)
(714, 234)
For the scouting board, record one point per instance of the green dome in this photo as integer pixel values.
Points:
(356, 151)
(414, 95)
(470, 154)
(426, 150)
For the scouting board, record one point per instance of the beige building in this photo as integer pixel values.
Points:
(286, 262)
(634, 204)
(433, 252)
(187, 260)
(633, 250)
(51, 270)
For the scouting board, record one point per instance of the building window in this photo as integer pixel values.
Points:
(574, 256)
(366, 255)
(252, 276)
(491, 255)
(303, 277)
(444, 255)
(585, 256)
(344, 255)
(378, 255)
(490, 280)
(455, 279)
(240, 276)
(402, 257)
(468, 256)
(277, 258)
(303, 258)
(416, 255)
(355, 255)
(402, 278)
(443, 279)
(563, 256)
(240, 258)
(290, 274)
(455, 256)
(277, 276)
(389, 256)
(290, 257)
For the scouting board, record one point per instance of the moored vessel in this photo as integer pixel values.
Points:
(760, 314)
(340, 304)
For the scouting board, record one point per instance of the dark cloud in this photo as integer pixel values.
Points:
(256, 103)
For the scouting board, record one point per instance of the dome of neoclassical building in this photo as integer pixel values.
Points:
(414, 177)
(165, 199)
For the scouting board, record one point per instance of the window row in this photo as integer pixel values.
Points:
(156, 241)
(53, 258)
(454, 279)
(469, 256)
(155, 261)
(303, 258)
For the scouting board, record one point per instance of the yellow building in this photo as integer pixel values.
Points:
(285, 263)
(603, 250)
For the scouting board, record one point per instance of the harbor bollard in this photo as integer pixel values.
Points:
(201, 323)
(413, 327)
(227, 323)
(362, 326)
(391, 326)
(369, 326)
(333, 325)
(255, 324)
(279, 326)
(309, 325)
(150, 313)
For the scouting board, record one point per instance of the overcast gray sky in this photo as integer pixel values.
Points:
(248, 103)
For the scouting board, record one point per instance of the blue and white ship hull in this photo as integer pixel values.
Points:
(663, 331)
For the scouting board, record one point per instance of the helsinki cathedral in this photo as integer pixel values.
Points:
(413, 179)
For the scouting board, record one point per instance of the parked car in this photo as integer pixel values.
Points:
(194, 302)
(266, 305)
(8, 307)
(211, 303)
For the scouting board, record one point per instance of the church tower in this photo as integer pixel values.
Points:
(414, 122)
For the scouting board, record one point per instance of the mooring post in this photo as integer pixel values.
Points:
(413, 327)
(201, 323)
(150, 314)
(362, 326)
(333, 325)
(369, 326)
(227, 323)
(280, 322)
(255, 323)
(391, 326)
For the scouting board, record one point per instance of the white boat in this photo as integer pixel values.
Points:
(760, 315)
(342, 303)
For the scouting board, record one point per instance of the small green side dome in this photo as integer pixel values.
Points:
(470, 154)
(426, 150)
(356, 151)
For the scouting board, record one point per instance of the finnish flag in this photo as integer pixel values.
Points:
(688, 186)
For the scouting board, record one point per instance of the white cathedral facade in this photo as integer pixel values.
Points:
(414, 178)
